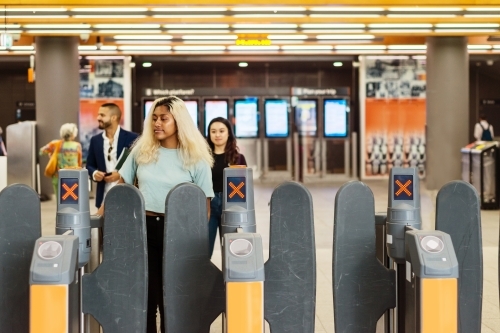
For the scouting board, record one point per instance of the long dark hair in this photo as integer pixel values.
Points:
(231, 150)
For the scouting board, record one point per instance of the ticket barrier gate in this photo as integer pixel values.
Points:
(115, 294)
(20, 227)
(197, 292)
(424, 284)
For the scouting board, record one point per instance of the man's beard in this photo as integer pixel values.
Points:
(103, 125)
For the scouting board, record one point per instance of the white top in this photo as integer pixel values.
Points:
(478, 131)
(111, 164)
(156, 179)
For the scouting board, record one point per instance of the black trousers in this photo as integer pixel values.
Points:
(155, 227)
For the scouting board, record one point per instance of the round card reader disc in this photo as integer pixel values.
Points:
(241, 247)
(50, 250)
(432, 244)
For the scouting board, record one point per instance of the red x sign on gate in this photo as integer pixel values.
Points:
(236, 190)
(403, 188)
(69, 191)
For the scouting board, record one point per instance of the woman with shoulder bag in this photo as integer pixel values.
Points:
(64, 153)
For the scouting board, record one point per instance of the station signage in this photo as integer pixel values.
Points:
(253, 42)
(168, 92)
(299, 91)
(490, 101)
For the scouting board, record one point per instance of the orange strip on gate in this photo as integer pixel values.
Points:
(236, 190)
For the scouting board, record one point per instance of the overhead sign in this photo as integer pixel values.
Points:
(299, 91)
(6, 41)
(168, 92)
(253, 42)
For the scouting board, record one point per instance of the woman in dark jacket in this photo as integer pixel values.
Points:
(222, 141)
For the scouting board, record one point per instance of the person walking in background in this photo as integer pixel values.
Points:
(3, 151)
(69, 152)
(483, 131)
(106, 148)
(222, 142)
(170, 151)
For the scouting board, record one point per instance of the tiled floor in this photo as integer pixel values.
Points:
(323, 201)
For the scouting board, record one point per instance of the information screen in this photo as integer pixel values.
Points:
(192, 107)
(335, 117)
(214, 109)
(247, 118)
(276, 116)
(306, 117)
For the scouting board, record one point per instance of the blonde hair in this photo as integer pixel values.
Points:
(193, 147)
(68, 130)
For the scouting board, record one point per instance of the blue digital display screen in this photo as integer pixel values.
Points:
(335, 113)
(236, 189)
(306, 117)
(403, 187)
(246, 118)
(68, 191)
(214, 109)
(276, 117)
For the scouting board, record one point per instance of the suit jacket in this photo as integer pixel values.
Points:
(96, 157)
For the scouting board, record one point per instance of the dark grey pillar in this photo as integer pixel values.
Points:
(447, 108)
(57, 91)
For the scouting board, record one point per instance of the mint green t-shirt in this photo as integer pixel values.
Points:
(156, 179)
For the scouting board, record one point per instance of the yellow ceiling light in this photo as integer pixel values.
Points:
(144, 37)
(126, 26)
(199, 48)
(41, 17)
(268, 9)
(121, 31)
(269, 15)
(9, 26)
(345, 15)
(230, 42)
(263, 31)
(189, 9)
(145, 47)
(231, 37)
(198, 31)
(208, 16)
(329, 31)
(478, 47)
(407, 47)
(465, 30)
(425, 9)
(345, 37)
(110, 9)
(87, 47)
(22, 48)
(467, 25)
(108, 47)
(360, 47)
(253, 48)
(196, 26)
(67, 32)
(483, 9)
(56, 26)
(399, 31)
(346, 9)
(32, 9)
(332, 25)
(110, 16)
(307, 47)
(421, 15)
(264, 26)
(400, 25)
(287, 37)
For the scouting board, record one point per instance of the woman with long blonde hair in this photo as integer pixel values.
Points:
(170, 151)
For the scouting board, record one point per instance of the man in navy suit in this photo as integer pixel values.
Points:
(105, 149)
